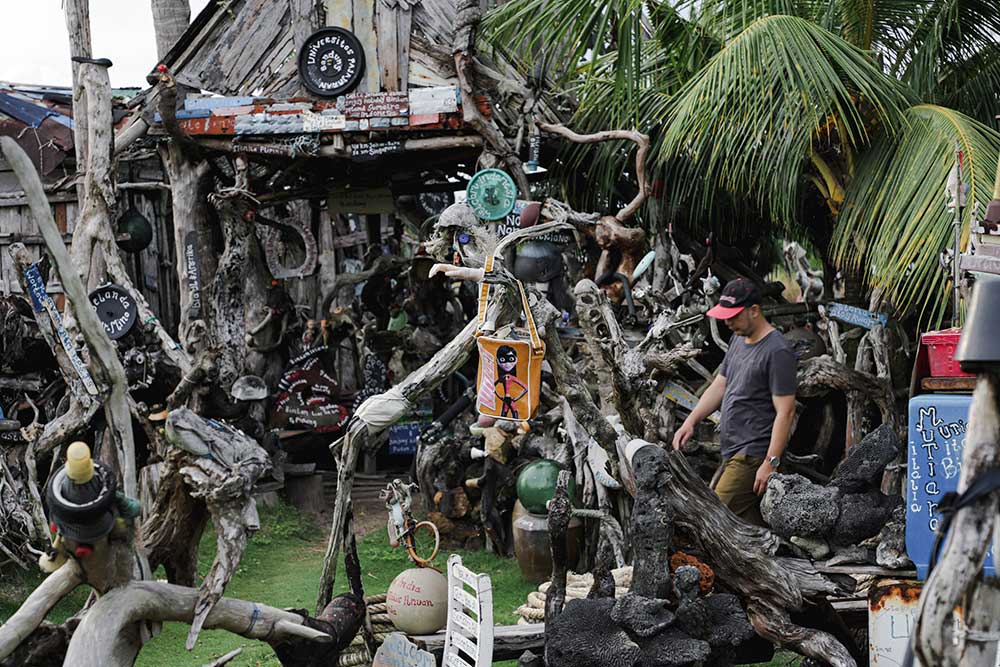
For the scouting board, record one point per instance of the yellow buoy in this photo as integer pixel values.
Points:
(79, 465)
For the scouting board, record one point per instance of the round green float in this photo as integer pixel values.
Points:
(537, 484)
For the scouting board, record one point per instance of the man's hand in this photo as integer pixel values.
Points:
(683, 434)
(760, 479)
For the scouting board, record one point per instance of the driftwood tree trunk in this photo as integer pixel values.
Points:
(467, 17)
(956, 577)
(237, 294)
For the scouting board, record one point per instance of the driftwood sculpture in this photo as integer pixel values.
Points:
(210, 471)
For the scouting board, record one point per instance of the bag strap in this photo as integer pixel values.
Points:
(484, 297)
(537, 347)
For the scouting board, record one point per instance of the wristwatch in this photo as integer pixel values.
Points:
(775, 461)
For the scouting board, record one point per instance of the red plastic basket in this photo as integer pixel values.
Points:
(941, 353)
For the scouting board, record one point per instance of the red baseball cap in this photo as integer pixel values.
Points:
(736, 295)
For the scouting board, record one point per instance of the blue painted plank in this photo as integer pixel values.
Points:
(856, 316)
(209, 103)
(184, 114)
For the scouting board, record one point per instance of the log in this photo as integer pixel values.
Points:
(509, 641)
(107, 635)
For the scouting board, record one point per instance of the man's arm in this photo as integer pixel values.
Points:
(784, 408)
(707, 404)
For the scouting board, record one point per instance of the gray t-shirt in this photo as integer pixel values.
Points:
(754, 373)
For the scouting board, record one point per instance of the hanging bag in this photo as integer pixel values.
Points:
(510, 369)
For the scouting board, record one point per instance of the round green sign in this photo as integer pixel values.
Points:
(491, 194)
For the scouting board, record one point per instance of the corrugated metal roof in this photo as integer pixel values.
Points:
(29, 112)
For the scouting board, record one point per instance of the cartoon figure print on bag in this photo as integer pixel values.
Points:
(507, 367)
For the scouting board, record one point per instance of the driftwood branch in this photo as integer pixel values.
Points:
(817, 376)
(107, 635)
(116, 405)
(40, 602)
(638, 138)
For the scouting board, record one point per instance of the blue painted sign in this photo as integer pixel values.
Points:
(856, 316)
(403, 437)
(937, 426)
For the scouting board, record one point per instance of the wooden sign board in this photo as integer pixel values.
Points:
(376, 105)
(398, 651)
(193, 274)
(373, 151)
(314, 122)
(259, 148)
(856, 316)
(442, 99)
(375, 200)
(937, 428)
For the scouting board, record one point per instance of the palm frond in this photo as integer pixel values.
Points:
(569, 37)
(747, 120)
(945, 33)
(895, 223)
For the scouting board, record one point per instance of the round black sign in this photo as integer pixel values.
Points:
(115, 308)
(331, 62)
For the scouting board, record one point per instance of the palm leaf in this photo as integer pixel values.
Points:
(895, 223)
(747, 120)
(569, 36)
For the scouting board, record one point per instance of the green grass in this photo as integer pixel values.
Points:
(281, 567)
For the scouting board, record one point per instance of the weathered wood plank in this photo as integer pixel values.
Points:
(304, 21)
(340, 13)
(948, 384)
(364, 30)
(388, 48)
(404, 23)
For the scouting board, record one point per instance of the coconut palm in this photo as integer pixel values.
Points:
(836, 121)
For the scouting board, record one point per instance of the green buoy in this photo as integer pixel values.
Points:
(537, 484)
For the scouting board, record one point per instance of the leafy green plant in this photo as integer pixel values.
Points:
(824, 120)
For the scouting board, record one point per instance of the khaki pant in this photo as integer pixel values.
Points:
(735, 488)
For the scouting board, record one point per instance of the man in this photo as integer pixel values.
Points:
(755, 388)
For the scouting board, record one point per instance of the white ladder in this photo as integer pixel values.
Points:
(471, 635)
